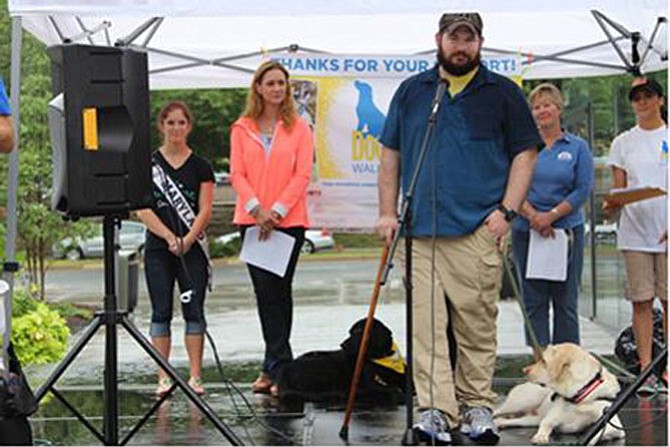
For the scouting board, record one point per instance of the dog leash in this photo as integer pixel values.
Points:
(537, 349)
(613, 366)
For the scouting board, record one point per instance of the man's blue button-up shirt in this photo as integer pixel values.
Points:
(477, 134)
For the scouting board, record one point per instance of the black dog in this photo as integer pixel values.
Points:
(326, 375)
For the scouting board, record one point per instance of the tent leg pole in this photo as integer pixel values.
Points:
(9, 266)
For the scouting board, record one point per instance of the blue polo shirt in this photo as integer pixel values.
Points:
(4, 101)
(477, 134)
(562, 172)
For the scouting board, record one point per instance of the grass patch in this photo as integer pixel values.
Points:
(348, 240)
(69, 310)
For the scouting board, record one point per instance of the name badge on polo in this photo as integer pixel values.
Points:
(664, 152)
(565, 156)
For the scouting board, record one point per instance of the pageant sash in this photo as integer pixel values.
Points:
(176, 199)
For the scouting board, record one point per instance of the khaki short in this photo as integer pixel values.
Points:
(647, 275)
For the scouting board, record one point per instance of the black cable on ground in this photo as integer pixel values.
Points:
(233, 388)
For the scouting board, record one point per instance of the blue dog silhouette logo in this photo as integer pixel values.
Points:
(365, 146)
(370, 118)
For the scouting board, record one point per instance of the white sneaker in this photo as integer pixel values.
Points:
(432, 428)
(478, 425)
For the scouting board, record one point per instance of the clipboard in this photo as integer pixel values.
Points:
(624, 196)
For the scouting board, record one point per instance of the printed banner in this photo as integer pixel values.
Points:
(361, 66)
(345, 100)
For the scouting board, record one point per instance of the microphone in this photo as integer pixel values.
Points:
(442, 85)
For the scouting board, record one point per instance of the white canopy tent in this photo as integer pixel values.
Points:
(204, 43)
(201, 43)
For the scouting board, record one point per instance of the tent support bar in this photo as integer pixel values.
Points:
(61, 36)
(198, 64)
(585, 47)
(533, 58)
(12, 181)
(252, 54)
(195, 61)
(107, 38)
(84, 29)
(295, 47)
(153, 30)
(560, 53)
(650, 44)
(602, 18)
(536, 58)
(130, 38)
(603, 21)
(87, 33)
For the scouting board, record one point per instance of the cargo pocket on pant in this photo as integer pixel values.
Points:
(490, 268)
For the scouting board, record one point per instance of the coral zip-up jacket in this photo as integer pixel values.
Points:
(279, 177)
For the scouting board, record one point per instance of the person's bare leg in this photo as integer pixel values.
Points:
(194, 348)
(643, 329)
(162, 345)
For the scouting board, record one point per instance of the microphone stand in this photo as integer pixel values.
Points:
(405, 223)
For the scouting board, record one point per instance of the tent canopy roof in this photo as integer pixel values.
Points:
(197, 32)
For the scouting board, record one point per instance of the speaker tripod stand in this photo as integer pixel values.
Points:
(110, 318)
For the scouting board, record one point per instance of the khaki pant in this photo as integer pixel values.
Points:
(468, 271)
(647, 275)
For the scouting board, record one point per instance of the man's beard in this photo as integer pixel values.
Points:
(457, 70)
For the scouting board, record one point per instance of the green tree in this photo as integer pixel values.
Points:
(5, 33)
(38, 227)
(608, 97)
(214, 110)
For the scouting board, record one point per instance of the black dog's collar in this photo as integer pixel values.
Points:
(585, 390)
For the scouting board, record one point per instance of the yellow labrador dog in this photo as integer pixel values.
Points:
(567, 391)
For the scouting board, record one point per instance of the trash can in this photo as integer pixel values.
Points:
(127, 274)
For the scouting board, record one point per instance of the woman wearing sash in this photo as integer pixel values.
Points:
(176, 248)
(271, 165)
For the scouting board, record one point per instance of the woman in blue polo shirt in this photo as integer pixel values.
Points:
(561, 183)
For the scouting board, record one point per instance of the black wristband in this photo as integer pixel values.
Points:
(507, 213)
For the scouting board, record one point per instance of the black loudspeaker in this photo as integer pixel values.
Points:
(100, 130)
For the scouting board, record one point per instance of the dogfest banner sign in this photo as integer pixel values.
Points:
(345, 100)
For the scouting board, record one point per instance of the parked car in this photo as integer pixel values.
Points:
(317, 240)
(131, 237)
(314, 240)
(221, 178)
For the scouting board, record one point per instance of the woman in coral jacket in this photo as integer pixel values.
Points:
(271, 164)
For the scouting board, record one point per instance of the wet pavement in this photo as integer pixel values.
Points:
(329, 298)
(262, 420)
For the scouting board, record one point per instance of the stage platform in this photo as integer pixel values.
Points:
(324, 311)
(263, 420)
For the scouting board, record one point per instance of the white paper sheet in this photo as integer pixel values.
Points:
(547, 256)
(272, 254)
